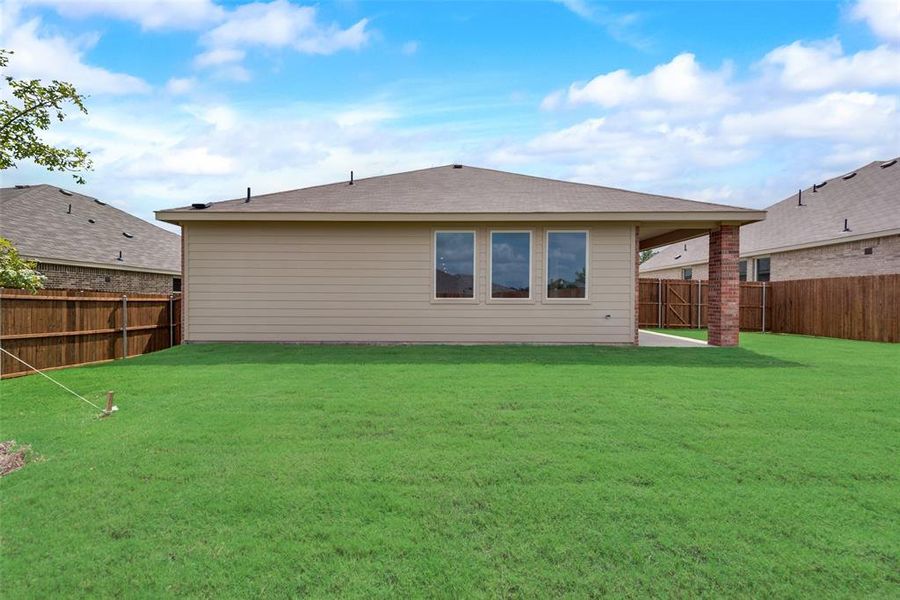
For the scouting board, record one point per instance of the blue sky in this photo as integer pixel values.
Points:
(192, 100)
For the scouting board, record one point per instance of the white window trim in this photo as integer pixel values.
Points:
(490, 281)
(587, 268)
(434, 296)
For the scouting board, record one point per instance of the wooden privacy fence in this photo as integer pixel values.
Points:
(58, 328)
(855, 308)
(680, 303)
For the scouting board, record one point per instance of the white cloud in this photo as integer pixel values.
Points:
(823, 65)
(150, 14)
(44, 56)
(180, 85)
(277, 24)
(882, 16)
(195, 161)
(619, 26)
(681, 81)
(410, 47)
(837, 115)
(218, 56)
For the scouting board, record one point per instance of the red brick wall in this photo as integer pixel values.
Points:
(104, 280)
(724, 286)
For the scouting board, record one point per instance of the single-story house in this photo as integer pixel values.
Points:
(452, 254)
(82, 243)
(843, 227)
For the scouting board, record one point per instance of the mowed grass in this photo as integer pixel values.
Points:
(769, 470)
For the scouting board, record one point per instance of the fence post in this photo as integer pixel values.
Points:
(171, 320)
(659, 303)
(124, 326)
(765, 285)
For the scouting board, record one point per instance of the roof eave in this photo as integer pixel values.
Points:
(736, 217)
(96, 265)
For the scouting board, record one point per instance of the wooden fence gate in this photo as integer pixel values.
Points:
(59, 328)
(681, 303)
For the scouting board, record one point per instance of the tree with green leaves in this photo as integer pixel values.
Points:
(33, 109)
(646, 254)
(15, 271)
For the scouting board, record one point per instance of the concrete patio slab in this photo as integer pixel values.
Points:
(664, 340)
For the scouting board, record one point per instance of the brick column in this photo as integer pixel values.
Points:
(724, 286)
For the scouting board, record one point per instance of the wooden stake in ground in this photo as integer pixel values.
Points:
(110, 408)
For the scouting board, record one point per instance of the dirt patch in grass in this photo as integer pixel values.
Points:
(12, 457)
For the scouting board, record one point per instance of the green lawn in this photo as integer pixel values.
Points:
(769, 470)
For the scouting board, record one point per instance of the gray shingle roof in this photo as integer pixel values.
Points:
(36, 219)
(460, 190)
(869, 200)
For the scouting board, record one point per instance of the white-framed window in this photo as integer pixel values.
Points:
(566, 264)
(687, 272)
(509, 271)
(454, 264)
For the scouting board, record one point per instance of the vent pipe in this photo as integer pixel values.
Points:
(846, 225)
(69, 212)
(120, 256)
(248, 196)
(800, 198)
(351, 177)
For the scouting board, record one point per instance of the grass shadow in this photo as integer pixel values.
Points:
(303, 354)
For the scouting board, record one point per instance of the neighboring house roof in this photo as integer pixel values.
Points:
(38, 222)
(455, 190)
(868, 198)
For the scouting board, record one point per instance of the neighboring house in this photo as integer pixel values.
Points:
(447, 254)
(82, 243)
(842, 227)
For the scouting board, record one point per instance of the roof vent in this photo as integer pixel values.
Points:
(200, 205)
(99, 202)
(457, 166)
(351, 177)
(128, 235)
(677, 257)
(119, 258)
(800, 198)
(91, 221)
(890, 163)
(65, 192)
(22, 187)
(849, 176)
(69, 212)
(846, 225)
(248, 196)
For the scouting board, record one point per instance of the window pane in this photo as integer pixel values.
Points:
(687, 273)
(454, 265)
(762, 269)
(742, 270)
(510, 264)
(566, 264)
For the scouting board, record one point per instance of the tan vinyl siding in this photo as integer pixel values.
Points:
(333, 282)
